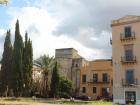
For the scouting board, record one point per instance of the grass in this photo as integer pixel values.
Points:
(21, 101)
(40, 101)
(92, 103)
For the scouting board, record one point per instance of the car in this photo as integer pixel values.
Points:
(106, 98)
(85, 98)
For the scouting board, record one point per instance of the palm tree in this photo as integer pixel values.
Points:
(46, 63)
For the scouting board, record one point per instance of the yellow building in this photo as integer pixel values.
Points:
(126, 59)
(96, 79)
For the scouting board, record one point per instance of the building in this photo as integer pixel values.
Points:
(70, 65)
(96, 79)
(38, 79)
(77, 67)
(65, 58)
(126, 59)
(37, 73)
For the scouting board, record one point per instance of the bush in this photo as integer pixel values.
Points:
(65, 88)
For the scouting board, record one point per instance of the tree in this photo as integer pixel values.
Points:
(6, 65)
(17, 62)
(65, 87)
(27, 65)
(55, 81)
(2, 2)
(46, 63)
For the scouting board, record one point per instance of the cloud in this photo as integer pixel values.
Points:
(82, 24)
(88, 21)
(2, 37)
(39, 24)
(97, 14)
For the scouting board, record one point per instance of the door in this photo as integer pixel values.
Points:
(130, 97)
(104, 92)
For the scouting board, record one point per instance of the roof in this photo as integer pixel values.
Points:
(102, 60)
(66, 49)
(128, 17)
(126, 20)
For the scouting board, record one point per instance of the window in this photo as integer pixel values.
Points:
(130, 76)
(83, 89)
(128, 52)
(94, 90)
(83, 78)
(127, 31)
(128, 55)
(95, 77)
(105, 77)
(76, 65)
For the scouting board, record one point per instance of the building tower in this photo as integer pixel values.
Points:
(126, 59)
(71, 64)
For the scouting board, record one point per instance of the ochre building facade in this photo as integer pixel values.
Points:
(96, 79)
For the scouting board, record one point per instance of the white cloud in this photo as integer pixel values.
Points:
(2, 36)
(82, 24)
(39, 23)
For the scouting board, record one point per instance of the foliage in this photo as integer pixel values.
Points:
(17, 62)
(46, 63)
(27, 65)
(2, 2)
(65, 87)
(16, 70)
(5, 77)
(55, 81)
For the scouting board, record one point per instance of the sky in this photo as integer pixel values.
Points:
(52, 24)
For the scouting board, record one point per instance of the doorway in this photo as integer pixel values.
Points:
(130, 97)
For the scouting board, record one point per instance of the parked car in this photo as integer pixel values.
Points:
(85, 98)
(106, 98)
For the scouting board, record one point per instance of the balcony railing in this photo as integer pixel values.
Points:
(133, 83)
(128, 59)
(124, 37)
(100, 81)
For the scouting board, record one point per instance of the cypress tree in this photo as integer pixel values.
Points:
(17, 62)
(55, 81)
(6, 65)
(30, 52)
(27, 65)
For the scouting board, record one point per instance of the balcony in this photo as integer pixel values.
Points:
(133, 83)
(124, 37)
(128, 59)
(100, 81)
